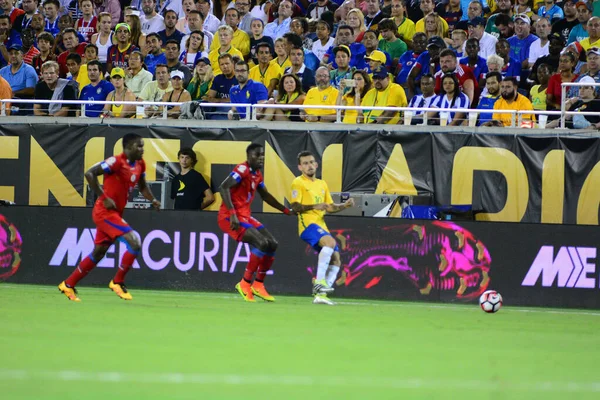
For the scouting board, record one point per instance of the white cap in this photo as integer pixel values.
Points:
(587, 79)
(177, 73)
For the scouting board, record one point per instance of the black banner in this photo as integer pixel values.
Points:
(529, 264)
(509, 178)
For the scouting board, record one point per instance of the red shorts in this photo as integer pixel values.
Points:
(245, 223)
(110, 225)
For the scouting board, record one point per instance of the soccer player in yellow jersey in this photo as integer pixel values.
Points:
(311, 200)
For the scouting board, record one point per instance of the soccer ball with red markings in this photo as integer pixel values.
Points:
(490, 301)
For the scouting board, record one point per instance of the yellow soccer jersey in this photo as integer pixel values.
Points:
(306, 192)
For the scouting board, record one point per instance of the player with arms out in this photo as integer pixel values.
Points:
(235, 219)
(122, 174)
(311, 199)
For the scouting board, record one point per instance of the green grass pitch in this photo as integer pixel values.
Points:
(181, 345)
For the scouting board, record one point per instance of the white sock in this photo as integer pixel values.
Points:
(332, 272)
(324, 258)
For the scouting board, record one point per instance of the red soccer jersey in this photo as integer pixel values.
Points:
(87, 29)
(243, 194)
(463, 73)
(120, 177)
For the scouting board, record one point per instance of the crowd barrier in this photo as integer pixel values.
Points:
(441, 261)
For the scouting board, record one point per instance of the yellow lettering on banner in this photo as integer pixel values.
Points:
(469, 159)
(332, 168)
(278, 177)
(553, 187)
(46, 177)
(155, 150)
(94, 153)
(589, 198)
(218, 152)
(396, 177)
(9, 150)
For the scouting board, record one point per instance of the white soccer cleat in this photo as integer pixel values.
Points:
(321, 287)
(322, 299)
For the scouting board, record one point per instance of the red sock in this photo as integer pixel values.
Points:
(251, 267)
(126, 263)
(84, 267)
(265, 265)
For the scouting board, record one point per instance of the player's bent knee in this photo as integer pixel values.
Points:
(273, 244)
(99, 252)
(328, 241)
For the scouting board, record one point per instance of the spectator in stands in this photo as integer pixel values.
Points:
(475, 62)
(467, 82)
(5, 93)
(8, 8)
(504, 7)
(423, 100)
(177, 95)
(511, 66)
(376, 59)
(564, 26)
(316, 9)
(495, 63)
(428, 7)
(8, 38)
(505, 25)
(390, 43)
(201, 80)
(182, 23)
(457, 42)
(487, 42)
(556, 43)
(525, 7)
(45, 43)
(586, 102)
(406, 27)
(193, 50)
(72, 45)
(247, 91)
(30, 8)
(170, 32)
(566, 66)
(245, 17)
(266, 72)
(77, 71)
(279, 27)
(219, 90)
(38, 23)
(355, 92)
(409, 58)
(541, 46)
(136, 77)
(356, 21)
(451, 97)
(138, 38)
(374, 15)
(51, 12)
(21, 77)
(86, 25)
(325, 95)
(240, 39)
(371, 43)
(156, 54)
(155, 90)
(344, 37)
(195, 20)
(474, 10)
(551, 11)
(487, 101)
(225, 35)
(104, 38)
(97, 90)
(151, 21)
(299, 26)
(29, 51)
(90, 53)
(451, 12)
(211, 23)
(120, 93)
(65, 22)
(298, 68)
(593, 30)
(427, 63)
(51, 87)
(110, 6)
(511, 100)
(289, 92)
(282, 58)
(433, 25)
(118, 54)
(172, 51)
(292, 41)
(343, 70)
(584, 13)
(538, 94)
(383, 94)
(520, 43)
(257, 27)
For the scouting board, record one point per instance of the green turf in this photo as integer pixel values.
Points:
(175, 345)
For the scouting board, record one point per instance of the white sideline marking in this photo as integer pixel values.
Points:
(338, 301)
(177, 378)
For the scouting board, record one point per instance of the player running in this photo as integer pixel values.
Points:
(235, 219)
(310, 200)
(122, 172)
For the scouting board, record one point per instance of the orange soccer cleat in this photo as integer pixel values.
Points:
(71, 293)
(120, 290)
(258, 289)
(245, 290)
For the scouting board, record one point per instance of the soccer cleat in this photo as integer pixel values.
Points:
(245, 290)
(258, 289)
(71, 293)
(121, 290)
(322, 299)
(321, 287)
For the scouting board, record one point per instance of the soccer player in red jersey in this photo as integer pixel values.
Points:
(122, 174)
(235, 219)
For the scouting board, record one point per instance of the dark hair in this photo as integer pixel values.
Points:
(168, 11)
(96, 63)
(373, 31)
(225, 55)
(457, 91)
(242, 62)
(512, 79)
(253, 146)
(473, 40)
(55, 2)
(387, 24)
(47, 36)
(428, 76)
(303, 21)
(6, 16)
(75, 57)
(187, 151)
(281, 91)
(91, 46)
(367, 86)
(293, 39)
(199, 13)
(502, 19)
(153, 34)
(346, 27)
(232, 9)
(171, 41)
(495, 74)
(304, 153)
(502, 40)
(448, 53)
(264, 44)
(130, 138)
(70, 30)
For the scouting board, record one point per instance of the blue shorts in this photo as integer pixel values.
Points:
(312, 234)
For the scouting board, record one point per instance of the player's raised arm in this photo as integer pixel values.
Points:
(91, 176)
(270, 200)
(225, 190)
(147, 193)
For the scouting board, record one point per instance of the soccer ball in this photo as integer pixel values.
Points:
(490, 301)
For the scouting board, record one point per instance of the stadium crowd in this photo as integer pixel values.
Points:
(451, 54)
